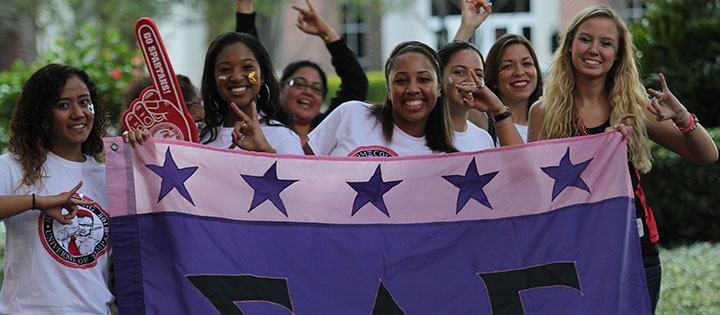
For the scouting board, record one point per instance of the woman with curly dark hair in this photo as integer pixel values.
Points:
(55, 261)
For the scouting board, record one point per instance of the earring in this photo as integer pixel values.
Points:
(268, 93)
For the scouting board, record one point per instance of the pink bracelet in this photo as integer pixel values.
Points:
(690, 127)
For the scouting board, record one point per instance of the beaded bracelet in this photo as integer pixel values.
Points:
(694, 121)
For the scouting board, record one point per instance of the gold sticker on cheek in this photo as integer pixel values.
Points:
(252, 78)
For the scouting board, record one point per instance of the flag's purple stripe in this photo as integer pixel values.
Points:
(128, 269)
(428, 268)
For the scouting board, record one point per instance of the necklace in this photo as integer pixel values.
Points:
(578, 126)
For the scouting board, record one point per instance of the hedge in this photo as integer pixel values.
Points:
(685, 197)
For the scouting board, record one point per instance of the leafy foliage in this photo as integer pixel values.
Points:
(109, 61)
(684, 197)
(679, 39)
(377, 90)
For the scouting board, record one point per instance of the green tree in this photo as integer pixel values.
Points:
(680, 39)
(109, 61)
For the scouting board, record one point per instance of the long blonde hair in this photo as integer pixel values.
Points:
(627, 95)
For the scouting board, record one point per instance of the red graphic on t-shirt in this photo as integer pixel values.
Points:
(373, 151)
(81, 243)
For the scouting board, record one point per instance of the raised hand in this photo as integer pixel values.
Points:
(247, 133)
(312, 23)
(476, 95)
(53, 205)
(472, 17)
(665, 105)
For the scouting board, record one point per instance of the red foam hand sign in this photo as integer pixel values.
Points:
(161, 108)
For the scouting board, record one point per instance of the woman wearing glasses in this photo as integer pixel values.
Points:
(303, 86)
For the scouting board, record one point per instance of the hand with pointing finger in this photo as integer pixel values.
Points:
(665, 105)
(247, 133)
(474, 13)
(476, 95)
(312, 23)
(53, 205)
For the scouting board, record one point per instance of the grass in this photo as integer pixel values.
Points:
(690, 278)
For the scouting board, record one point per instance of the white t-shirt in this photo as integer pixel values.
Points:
(473, 139)
(52, 268)
(350, 130)
(281, 138)
(523, 131)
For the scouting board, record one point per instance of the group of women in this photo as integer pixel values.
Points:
(438, 102)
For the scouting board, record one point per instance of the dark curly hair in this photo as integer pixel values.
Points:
(216, 109)
(32, 118)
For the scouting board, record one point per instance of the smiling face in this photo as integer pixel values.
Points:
(414, 89)
(73, 119)
(233, 65)
(594, 47)
(517, 74)
(302, 94)
(457, 70)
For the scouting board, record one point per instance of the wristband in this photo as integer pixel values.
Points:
(33, 206)
(326, 37)
(694, 121)
(502, 116)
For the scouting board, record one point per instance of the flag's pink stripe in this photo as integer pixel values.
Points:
(118, 173)
(322, 195)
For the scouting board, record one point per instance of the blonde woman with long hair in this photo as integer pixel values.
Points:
(593, 80)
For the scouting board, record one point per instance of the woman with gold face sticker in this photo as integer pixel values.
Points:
(241, 99)
(303, 83)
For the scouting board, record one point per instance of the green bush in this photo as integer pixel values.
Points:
(377, 90)
(684, 197)
(109, 62)
(674, 37)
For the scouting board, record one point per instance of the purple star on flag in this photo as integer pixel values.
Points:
(172, 177)
(268, 187)
(471, 186)
(566, 174)
(372, 191)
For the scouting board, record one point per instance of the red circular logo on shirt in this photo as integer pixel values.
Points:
(372, 151)
(81, 243)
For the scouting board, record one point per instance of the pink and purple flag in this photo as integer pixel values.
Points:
(543, 228)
